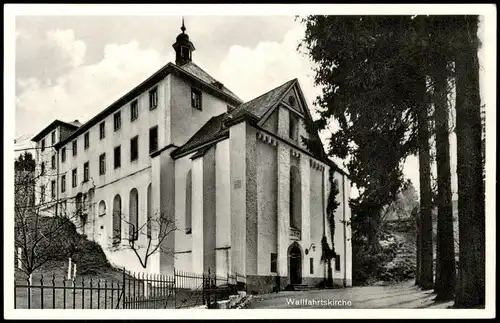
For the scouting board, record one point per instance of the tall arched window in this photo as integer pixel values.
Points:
(133, 215)
(148, 211)
(102, 208)
(295, 198)
(117, 217)
(188, 202)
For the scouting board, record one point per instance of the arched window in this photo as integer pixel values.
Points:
(295, 198)
(188, 202)
(102, 208)
(133, 215)
(149, 210)
(117, 217)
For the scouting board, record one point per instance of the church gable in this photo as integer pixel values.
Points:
(271, 123)
(292, 100)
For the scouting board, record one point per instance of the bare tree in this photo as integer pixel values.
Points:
(40, 222)
(147, 238)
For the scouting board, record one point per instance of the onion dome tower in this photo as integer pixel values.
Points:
(183, 47)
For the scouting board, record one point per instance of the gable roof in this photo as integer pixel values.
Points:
(191, 72)
(261, 104)
(217, 128)
(194, 69)
(212, 130)
(45, 131)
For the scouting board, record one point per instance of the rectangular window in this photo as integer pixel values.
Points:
(73, 178)
(311, 265)
(102, 164)
(274, 262)
(63, 154)
(117, 156)
(43, 144)
(42, 193)
(42, 168)
(337, 262)
(117, 118)
(53, 137)
(86, 171)
(153, 139)
(86, 141)
(293, 127)
(63, 207)
(134, 148)
(134, 110)
(102, 130)
(75, 147)
(53, 189)
(196, 98)
(63, 183)
(53, 162)
(153, 98)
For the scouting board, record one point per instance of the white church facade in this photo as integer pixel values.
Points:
(245, 194)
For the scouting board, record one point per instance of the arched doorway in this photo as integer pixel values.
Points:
(295, 264)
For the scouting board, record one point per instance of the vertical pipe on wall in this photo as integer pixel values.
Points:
(344, 226)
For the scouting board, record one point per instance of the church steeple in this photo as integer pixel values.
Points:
(183, 47)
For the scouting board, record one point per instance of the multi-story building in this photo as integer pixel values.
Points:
(245, 193)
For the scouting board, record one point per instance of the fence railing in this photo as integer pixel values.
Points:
(131, 291)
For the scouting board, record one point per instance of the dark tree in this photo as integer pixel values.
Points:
(445, 270)
(471, 198)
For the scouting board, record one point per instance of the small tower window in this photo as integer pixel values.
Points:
(184, 52)
(196, 98)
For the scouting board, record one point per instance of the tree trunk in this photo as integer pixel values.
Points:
(471, 199)
(445, 253)
(426, 264)
(418, 244)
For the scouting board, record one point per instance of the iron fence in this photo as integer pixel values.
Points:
(131, 291)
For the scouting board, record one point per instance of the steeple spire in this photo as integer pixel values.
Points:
(183, 47)
(183, 28)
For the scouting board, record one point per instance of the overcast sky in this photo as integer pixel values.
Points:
(73, 67)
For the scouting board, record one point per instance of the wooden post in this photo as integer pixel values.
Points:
(19, 258)
(69, 269)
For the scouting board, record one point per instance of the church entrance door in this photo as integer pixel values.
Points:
(295, 260)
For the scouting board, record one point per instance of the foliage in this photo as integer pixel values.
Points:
(25, 162)
(369, 88)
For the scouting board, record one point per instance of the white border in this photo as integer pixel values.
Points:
(488, 82)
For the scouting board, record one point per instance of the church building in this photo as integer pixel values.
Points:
(182, 163)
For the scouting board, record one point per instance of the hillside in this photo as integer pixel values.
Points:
(88, 255)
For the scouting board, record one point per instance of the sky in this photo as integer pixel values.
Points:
(72, 67)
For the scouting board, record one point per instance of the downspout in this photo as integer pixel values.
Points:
(345, 234)
(57, 182)
(325, 270)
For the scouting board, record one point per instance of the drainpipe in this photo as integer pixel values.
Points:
(57, 182)
(325, 270)
(345, 234)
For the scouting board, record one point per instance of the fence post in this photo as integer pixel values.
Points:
(175, 289)
(19, 258)
(123, 288)
(69, 268)
(203, 287)
(30, 282)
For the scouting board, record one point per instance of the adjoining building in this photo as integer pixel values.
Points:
(246, 194)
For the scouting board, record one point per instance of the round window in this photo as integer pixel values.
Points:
(291, 100)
